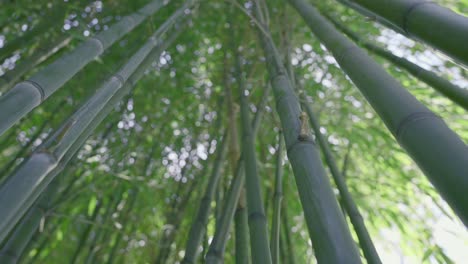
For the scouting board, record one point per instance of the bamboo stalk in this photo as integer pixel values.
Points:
(437, 150)
(112, 204)
(115, 247)
(198, 228)
(330, 236)
(438, 26)
(370, 15)
(14, 247)
(26, 95)
(85, 234)
(241, 227)
(365, 239)
(39, 55)
(175, 218)
(277, 199)
(24, 231)
(218, 244)
(36, 172)
(259, 244)
(287, 234)
(6, 169)
(450, 90)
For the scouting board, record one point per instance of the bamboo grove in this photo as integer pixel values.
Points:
(229, 131)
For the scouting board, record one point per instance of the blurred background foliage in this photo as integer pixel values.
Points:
(156, 147)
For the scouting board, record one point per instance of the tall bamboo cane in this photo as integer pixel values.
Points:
(39, 55)
(452, 91)
(198, 227)
(438, 151)
(14, 247)
(241, 229)
(30, 179)
(85, 234)
(26, 95)
(218, 244)
(427, 21)
(259, 243)
(6, 169)
(370, 15)
(111, 206)
(330, 236)
(278, 197)
(351, 208)
(126, 223)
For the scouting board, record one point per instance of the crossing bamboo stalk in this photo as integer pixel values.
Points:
(218, 244)
(331, 238)
(198, 227)
(445, 87)
(427, 21)
(277, 199)
(37, 171)
(28, 94)
(39, 55)
(259, 243)
(425, 136)
(352, 210)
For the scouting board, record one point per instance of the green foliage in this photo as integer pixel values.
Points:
(157, 147)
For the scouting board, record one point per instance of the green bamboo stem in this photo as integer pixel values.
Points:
(344, 171)
(330, 236)
(277, 199)
(17, 242)
(450, 90)
(24, 231)
(6, 169)
(41, 246)
(370, 15)
(240, 216)
(283, 254)
(39, 55)
(218, 244)
(14, 247)
(132, 195)
(198, 228)
(26, 95)
(36, 172)
(126, 219)
(259, 243)
(437, 150)
(425, 20)
(111, 206)
(241, 227)
(175, 218)
(287, 235)
(85, 234)
(365, 239)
